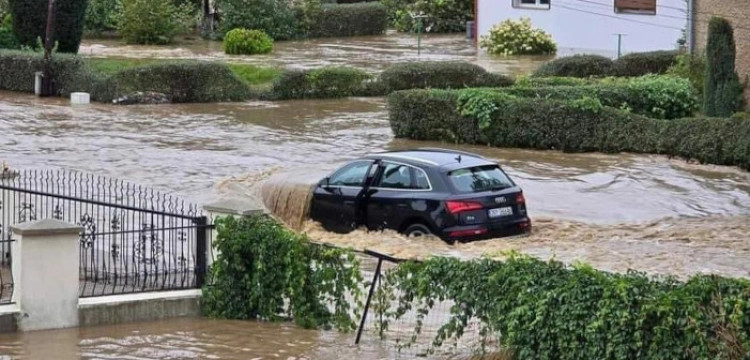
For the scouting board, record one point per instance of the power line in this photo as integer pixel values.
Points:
(674, 8)
(620, 18)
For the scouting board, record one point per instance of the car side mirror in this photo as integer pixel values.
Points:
(325, 182)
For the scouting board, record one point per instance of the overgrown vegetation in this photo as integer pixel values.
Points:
(247, 42)
(580, 66)
(153, 22)
(327, 82)
(723, 90)
(277, 18)
(30, 22)
(693, 68)
(442, 16)
(17, 70)
(642, 63)
(439, 75)
(630, 65)
(7, 37)
(367, 18)
(574, 125)
(101, 16)
(547, 310)
(518, 37)
(266, 272)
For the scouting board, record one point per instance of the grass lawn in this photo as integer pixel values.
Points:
(251, 74)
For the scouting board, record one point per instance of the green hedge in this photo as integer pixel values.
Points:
(656, 96)
(184, 82)
(571, 126)
(547, 310)
(576, 66)
(328, 82)
(439, 75)
(17, 70)
(637, 64)
(338, 20)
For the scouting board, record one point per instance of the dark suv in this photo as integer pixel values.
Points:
(452, 194)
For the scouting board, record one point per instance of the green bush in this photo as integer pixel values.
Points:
(30, 22)
(723, 91)
(439, 75)
(17, 69)
(276, 18)
(328, 82)
(370, 18)
(693, 68)
(638, 64)
(443, 16)
(268, 273)
(531, 81)
(7, 37)
(152, 22)
(548, 310)
(183, 82)
(580, 66)
(656, 96)
(518, 37)
(101, 15)
(571, 125)
(247, 42)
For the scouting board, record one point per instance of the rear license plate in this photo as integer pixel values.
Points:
(504, 211)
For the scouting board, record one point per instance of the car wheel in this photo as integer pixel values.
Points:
(417, 230)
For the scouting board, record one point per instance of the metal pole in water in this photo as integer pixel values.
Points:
(369, 299)
(619, 44)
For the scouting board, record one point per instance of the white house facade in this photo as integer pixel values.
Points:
(593, 25)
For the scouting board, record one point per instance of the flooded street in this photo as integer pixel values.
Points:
(613, 211)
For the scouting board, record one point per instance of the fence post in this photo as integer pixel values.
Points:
(227, 207)
(46, 264)
(369, 299)
(201, 253)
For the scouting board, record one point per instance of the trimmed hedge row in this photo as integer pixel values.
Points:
(328, 82)
(338, 20)
(634, 64)
(570, 126)
(17, 69)
(660, 97)
(548, 310)
(440, 75)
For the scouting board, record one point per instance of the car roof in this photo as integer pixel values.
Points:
(445, 159)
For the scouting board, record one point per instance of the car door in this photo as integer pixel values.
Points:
(334, 202)
(392, 195)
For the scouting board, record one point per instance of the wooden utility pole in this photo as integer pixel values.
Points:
(47, 86)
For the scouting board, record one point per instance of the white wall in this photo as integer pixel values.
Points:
(589, 25)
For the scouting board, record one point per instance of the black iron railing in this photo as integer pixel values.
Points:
(133, 238)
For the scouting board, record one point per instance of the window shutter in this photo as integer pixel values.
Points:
(636, 5)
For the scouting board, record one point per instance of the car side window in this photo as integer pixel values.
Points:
(420, 180)
(398, 176)
(351, 175)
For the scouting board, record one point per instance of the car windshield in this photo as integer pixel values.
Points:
(479, 179)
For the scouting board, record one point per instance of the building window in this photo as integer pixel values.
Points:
(645, 7)
(532, 4)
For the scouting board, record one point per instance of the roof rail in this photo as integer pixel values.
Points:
(434, 149)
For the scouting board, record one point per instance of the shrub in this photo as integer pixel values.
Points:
(638, 64)
(328, 82)
(580, 66)
(656, 96)
(567, 125)
(247, 42)
(7, 37)
(549, 310)
(512, 37)
(693, 68)
(276, 18)
(370, 18)
(101, 15)
(184, 82)
(446, 16)
(31, 22)
(723, 91)
(17, 69)
(266, 272)
(439, 75)
(531, 81)
(152, 22)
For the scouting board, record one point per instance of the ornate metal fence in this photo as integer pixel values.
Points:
(133, 239)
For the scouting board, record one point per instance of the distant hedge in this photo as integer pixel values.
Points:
(584, 125)
(30, 22)
(338, 20)
(656, 96)
(439, 75)
(183, 82)
(328, 82)
(17, 69)
(630, 65)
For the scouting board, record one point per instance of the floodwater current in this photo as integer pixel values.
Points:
(614, 211)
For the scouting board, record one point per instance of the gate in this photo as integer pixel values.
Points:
(133, 239)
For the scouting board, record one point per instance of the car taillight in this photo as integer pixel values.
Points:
(520, 199)
(463, 233)
(455, 207)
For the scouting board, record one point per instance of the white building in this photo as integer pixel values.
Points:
(583, 26)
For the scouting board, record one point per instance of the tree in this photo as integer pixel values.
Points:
(30, 22)
(723, 90)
